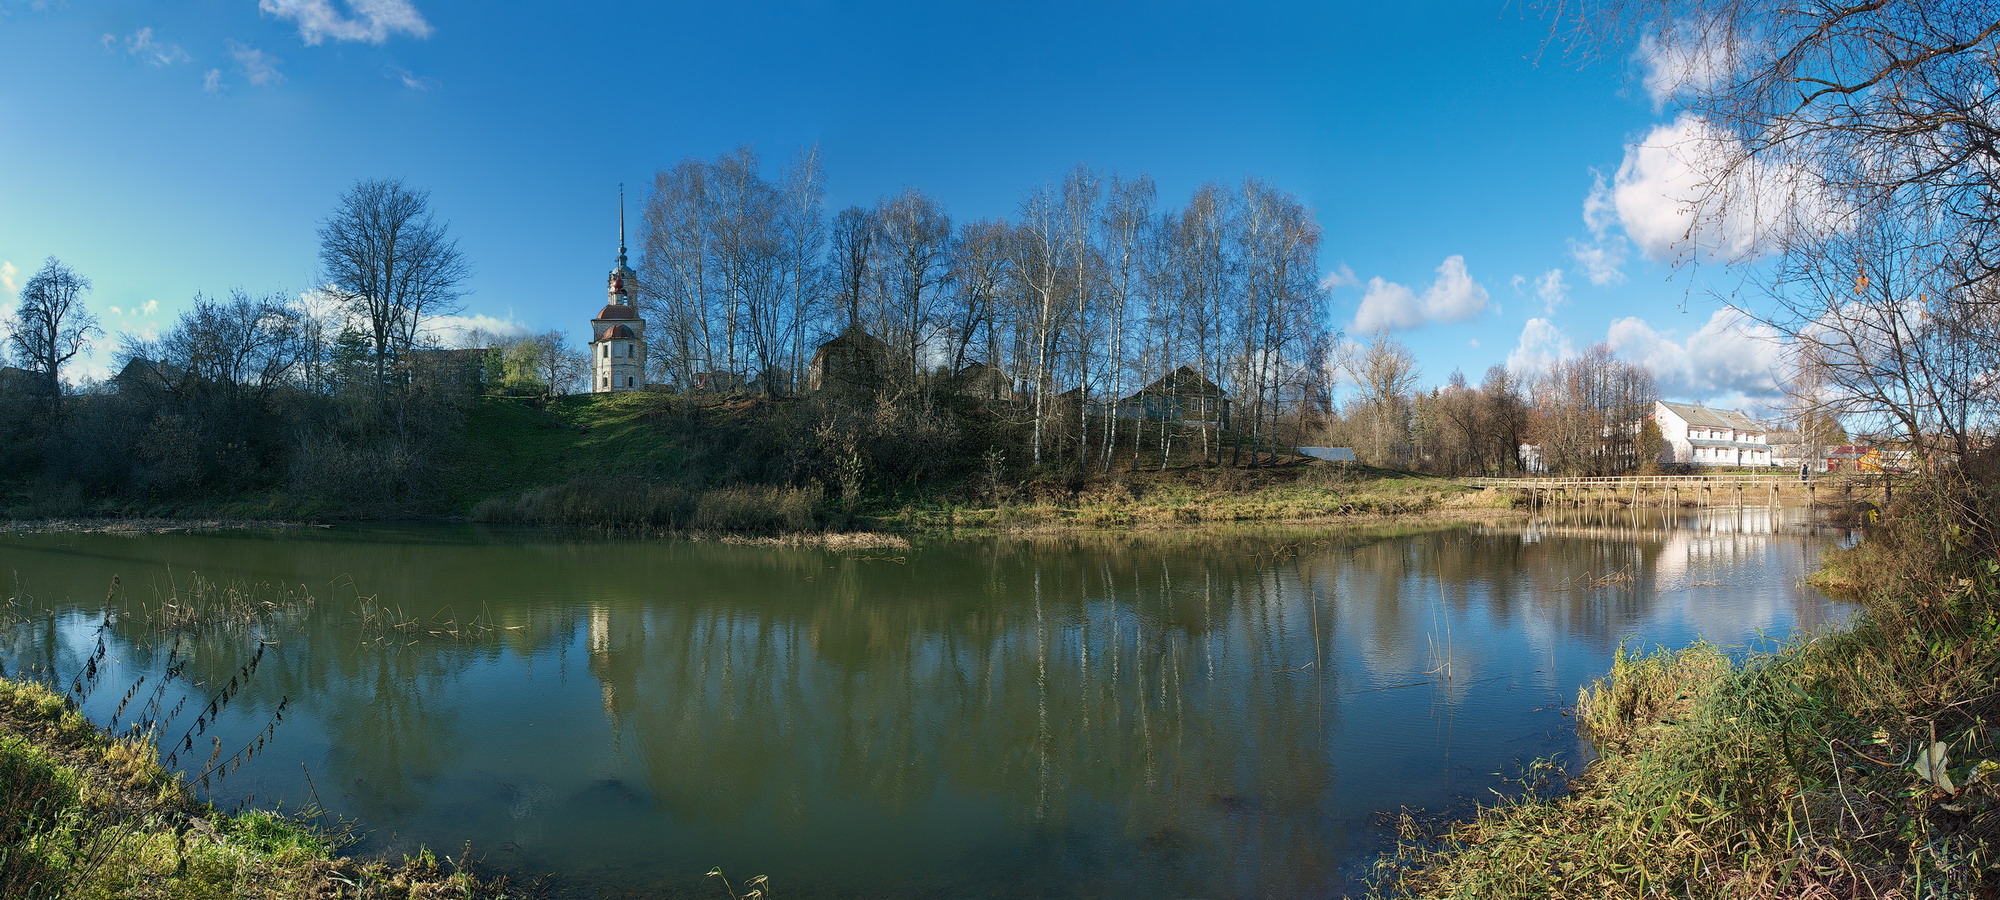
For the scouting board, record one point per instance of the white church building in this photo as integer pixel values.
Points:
(1697, 435)
(618, 334)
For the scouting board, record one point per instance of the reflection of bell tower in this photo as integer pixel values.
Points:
(618, 335)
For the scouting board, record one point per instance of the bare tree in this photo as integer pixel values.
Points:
(1385, 374)
(915, 250)
(52, 326)
(1123, 229)
(391, 262)
(979, 275)
(1037, 265)
(1587, 413)
(560, 367)
(674, 265)
(802, 222)
(854, 233)
(246, 345)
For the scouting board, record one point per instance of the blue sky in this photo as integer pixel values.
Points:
(169, 148)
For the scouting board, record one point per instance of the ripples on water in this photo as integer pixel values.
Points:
(1090, 717)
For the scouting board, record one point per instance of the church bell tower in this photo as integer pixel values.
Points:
(618, 335)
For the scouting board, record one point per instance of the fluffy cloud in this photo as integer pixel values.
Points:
(1603, 256)
(469, 331)
(1388, 306)
(1730, 359)
(259, 68)
(141, 45)
(369, 21)
(1551, 290)
(1693, 55)
(1683, 193)
(1339, 278)
(8, 273)
(211, 81)
(1453, 297)
(1541, 343)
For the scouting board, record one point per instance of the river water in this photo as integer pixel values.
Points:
(1167, 716)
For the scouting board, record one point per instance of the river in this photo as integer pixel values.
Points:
(1093, 716)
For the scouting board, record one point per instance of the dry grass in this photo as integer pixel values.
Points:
(88, 816)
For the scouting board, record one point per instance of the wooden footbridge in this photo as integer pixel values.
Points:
(1734, 489)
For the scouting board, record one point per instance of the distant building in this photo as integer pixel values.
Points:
(14, 380)
(618, 335)
(1329, 454)
(720, 382)
(1699, 436)
(982, 382)
(1183, 395)
(853, 363)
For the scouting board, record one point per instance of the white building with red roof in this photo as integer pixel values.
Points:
(618, 334)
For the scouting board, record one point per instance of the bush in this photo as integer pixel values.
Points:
(758, 509)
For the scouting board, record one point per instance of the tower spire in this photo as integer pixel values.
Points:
(621, 225)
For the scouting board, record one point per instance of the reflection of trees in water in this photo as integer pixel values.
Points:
(1070, 688)
(1089, 705)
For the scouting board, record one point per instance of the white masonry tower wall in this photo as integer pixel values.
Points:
(618, 334)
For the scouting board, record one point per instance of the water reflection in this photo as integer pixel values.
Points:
(1084, 717)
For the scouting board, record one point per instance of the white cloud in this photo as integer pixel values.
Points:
(1731, 359)
(211, 82)
(259, 68)
(9, 272)
(1693, 55)
(1684, 192)
(409, 79)
(1603, 256)
(141, 45)
(1541, 343)
(1602, 261)
(457, 331)
(1387, 305)
(1453, 297)
(1342, 277)
(369, 21)
(1551, 290)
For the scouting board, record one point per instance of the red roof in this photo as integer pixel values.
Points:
(617, 331)
(618, 312)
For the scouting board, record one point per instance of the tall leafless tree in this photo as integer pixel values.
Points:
(52, 326)
(391, 262)
(914, 249)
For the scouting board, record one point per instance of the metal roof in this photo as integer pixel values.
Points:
(1704, 417)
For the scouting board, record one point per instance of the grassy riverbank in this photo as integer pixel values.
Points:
(761, 466)
(83, 815)
(1859, 763)
(660, 463)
